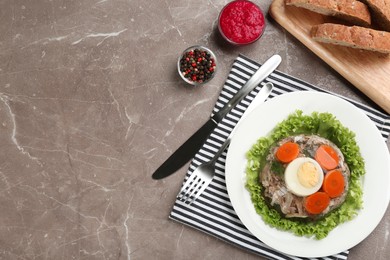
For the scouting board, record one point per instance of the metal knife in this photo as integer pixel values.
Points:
(187, 150)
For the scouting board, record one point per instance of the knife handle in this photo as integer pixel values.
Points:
(264, 71)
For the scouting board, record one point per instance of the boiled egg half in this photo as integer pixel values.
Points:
(303, 176)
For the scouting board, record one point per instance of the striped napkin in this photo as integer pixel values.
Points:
(212, 212)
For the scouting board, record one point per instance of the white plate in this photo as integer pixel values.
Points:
(376, 182)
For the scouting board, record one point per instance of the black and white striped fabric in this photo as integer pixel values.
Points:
(212, 212)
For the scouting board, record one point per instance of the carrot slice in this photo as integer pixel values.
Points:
(317, 202)
(327, 157)
(333, 183)
(287, 152)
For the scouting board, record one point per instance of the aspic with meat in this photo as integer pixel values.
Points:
(305, 176)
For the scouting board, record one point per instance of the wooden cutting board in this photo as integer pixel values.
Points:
(367, 71)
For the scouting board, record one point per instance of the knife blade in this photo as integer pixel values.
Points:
(187, 150)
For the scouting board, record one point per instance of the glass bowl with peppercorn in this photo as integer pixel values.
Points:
(197, 65)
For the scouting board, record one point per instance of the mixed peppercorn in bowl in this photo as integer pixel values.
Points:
(197, 65)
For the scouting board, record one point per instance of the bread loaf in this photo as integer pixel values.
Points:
(351, 11)
(380, 10)
(352, 36)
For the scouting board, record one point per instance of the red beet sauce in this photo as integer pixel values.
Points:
(241, 22)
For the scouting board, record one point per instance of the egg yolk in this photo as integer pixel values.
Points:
(308, 175)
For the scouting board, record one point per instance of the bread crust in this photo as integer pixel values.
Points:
(351, 11)
(352, 36)
(380, 12)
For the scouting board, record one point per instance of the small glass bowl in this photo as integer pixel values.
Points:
(197, 68)
(238, 5)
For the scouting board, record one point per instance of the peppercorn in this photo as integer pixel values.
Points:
(197, 65)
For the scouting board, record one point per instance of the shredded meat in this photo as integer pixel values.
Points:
(275, 189)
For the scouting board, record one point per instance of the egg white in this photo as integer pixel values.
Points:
(292, 181)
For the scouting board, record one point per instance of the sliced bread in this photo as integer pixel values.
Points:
(351, 11)
(380, 12)
(352, 36)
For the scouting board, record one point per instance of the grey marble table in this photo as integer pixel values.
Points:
(91, 104)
